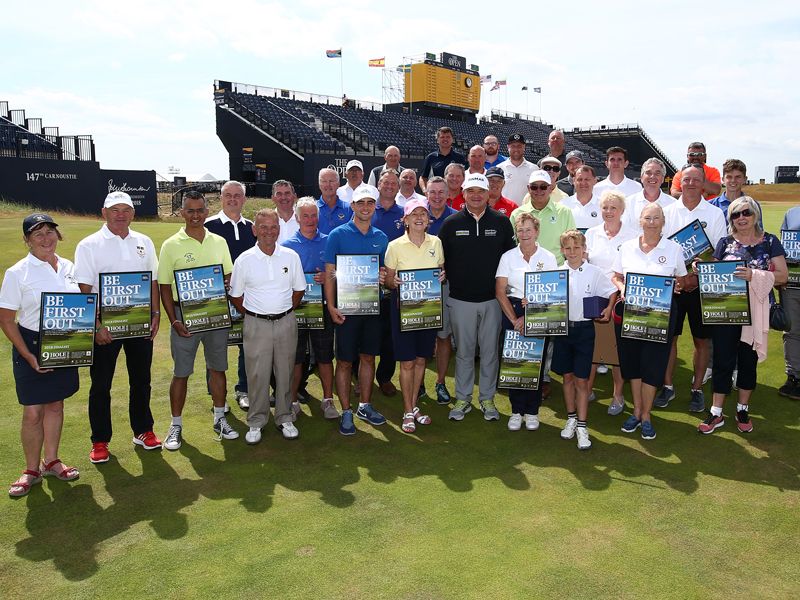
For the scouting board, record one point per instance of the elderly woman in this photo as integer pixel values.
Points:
(417, 249)
(603, 242)
(509, 291)
(585, 206)
(764, 267)
(644, 362)
(653, 173)
(40, 391)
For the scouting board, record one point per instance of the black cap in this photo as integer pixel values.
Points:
(517, 137)
(34, 220)
(495, 172)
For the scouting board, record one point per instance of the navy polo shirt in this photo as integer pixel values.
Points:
(435, 163)
(228, 229)
(436, 224)
(389, 221)
(347, 239)
(330, 218)
(311, 251)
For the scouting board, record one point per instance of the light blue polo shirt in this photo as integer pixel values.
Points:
(347, 239)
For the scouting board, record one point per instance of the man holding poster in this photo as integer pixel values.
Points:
(119, 265)
(194, 246)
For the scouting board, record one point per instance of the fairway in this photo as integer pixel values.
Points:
(457, 510)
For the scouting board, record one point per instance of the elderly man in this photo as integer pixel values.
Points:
(552, 166)
(266, 286)
(407, 193)
(491, 146)
(193, 246)
(476, 160)
(556, 142)
(391, 157)
(437, 161)
(473, 241)
(517, 169)
(690, 207)
(357, 336)
(574, 160)
(284, 197)
(354, 174)
(616, 163)
(116, 248)
(332, 211)
(653, 173)
(309, 244)
(497, 201)
(454, 178)
(696, 153)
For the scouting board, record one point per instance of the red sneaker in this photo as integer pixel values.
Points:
(711, 424)
(147, 440)
(99, 453)
(743, 422)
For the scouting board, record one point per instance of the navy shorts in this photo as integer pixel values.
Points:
(359, 334)
(409, 345)
(40, 388)
(321, 341)
(572, 353)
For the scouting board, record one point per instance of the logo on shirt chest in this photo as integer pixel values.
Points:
(431, 252)
(285, 270)
(594, 213)
(189, 257)
(662, 259)
(553, 219)
(539, 265)
(490, 232)
(140, 251)
(704, 224)
(462, 232)
(398, 224)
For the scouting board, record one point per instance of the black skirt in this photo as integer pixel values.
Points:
(41, 388)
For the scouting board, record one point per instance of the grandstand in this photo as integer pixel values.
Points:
(273, 133)
(23, 137)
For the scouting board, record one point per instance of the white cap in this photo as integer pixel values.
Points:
(118, 198)
(353, 163)
(364, 191)
(542, 176)
(477, 180)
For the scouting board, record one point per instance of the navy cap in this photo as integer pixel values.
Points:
(495, 172)
(34, 220)
(517, 137)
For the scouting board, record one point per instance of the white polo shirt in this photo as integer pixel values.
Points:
(513, 267)
(517, 177)
(105, 252)
(25, 281)
(603, 250)
(635, 203)
(267, 282)
(288, 228)
(403, 200)
(584, 282)
(665, 259)
(626, 186)
(677, 216)
(586, 215)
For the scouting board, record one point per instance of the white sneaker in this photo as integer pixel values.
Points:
(329, 410)
(531, 422)
(243, 400)
(296, 409)
(707, 376)
(253, 436)
(289, 431)
(569, 429)
(515, 422)
(602, 369)
(584, 443)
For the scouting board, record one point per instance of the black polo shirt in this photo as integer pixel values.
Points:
(436, 163)
(472, 251)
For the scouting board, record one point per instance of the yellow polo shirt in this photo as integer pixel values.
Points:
(180, 251)
(403, 254)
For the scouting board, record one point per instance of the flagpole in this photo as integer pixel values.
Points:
(341, 72)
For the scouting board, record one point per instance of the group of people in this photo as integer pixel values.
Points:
(483, 221)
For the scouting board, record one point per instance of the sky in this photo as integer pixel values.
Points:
(138, 76)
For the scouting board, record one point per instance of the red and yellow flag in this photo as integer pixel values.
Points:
(377, 62)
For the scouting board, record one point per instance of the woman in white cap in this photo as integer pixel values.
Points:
(416, 249)
(40, 391)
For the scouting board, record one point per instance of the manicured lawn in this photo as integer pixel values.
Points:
(457, 510)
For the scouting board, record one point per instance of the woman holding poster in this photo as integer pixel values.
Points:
(420, 257)
(40, 391)
(764, 267)
(644, 362)
(510, 290)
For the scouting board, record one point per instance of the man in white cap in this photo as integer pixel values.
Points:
(473, 240)
(116, 248)
(517, 169)
(354, 173)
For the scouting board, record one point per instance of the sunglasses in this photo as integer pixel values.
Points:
(745, 212)
(551, 168)
(539, 188)
(695, 154)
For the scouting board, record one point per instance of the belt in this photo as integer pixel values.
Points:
(268, 317)
(580, 323)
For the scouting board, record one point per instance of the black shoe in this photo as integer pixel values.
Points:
(303, 395)
(790, 389)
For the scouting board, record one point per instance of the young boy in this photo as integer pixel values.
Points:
(572, 354)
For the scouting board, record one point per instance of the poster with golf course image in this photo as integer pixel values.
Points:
(520, 361)
(420, 299)
(724, 299)
(236, 332)
(66, 329)
(309, 313)
(125, 304)
(202, 298)
(790, 238)
(694, 242)
(357, 288)
(547, 295)
(648, 300)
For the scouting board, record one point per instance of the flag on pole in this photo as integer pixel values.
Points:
(334, 53)
(486, 79)
(524, 88)
(496, 86)
(377, 62)
(404, 68)
(537, 90)
(500, 82)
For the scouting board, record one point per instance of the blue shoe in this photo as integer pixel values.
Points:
(442, 395)
(631, 424)
(648, 431)
(346, 425)
(664, 397)
(370, 415)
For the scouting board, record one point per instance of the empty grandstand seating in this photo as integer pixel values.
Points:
(23, 137)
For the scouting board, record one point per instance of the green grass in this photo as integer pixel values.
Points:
(458, 510)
